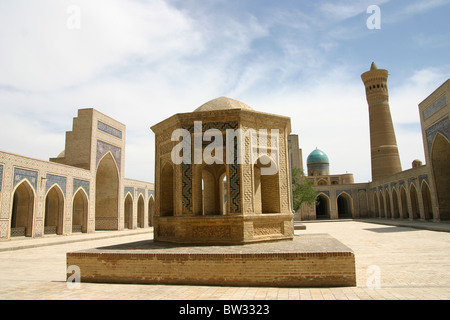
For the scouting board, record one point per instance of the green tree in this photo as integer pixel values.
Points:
(302, 189)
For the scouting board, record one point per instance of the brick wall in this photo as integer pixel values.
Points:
(254, 269)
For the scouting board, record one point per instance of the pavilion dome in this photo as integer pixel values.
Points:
(317, 156)
(223, 103)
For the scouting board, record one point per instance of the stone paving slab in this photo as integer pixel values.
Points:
(410, 264)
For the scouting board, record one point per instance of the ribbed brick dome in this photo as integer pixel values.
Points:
(222, 103)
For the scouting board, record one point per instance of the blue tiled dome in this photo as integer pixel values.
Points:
(317, 156)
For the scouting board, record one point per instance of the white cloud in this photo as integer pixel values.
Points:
(44, 54)
(346, 9)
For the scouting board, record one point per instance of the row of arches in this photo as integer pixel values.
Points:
(404, 204)
(107, 204)
(344, 205)
(23, 205)
(22, 213)
(129, 209)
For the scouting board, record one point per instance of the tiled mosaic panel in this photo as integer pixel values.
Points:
(108, 129)
(222, 126)
(435, 107)
(103, 148)
(80, 183)
(20, 174)
(235, 188)
(349, 192)
(187, 188)
(442, 127)
(141, 191)
(53, 179)
(234, 169)
(128, 189)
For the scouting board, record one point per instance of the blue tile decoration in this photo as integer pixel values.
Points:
(324, 192)
(435, 107)
(442, 127)
(235, 187)
(422, 178)
(1, 176)
(412, 180)
(141, 191)
(222, 126)
(108, 129)
(186, 182)
(77, 183)
(53, 179)
(128, 189)
(31, 176)
(151, 192)
(234, 171)
(338, 193)
(103, 148)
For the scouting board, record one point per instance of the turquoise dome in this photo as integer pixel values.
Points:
(317, 156)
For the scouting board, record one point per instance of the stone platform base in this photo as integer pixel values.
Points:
(306, 261)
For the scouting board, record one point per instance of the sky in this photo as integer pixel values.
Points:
(141, 61)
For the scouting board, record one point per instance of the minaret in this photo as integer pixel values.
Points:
(383, 144)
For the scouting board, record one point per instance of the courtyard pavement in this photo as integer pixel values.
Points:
(404, 260)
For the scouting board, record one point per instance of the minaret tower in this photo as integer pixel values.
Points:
(383, 144)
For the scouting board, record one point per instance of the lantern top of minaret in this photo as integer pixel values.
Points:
(373, 66)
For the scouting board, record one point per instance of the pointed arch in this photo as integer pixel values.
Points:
(382, 215)
(266, 186)
(395, 208)
(323, 206)
(426, 200)
(376, 205)
(140, 212)
(166, 195)
(54, 211)
(210, 190)
(388, 204)
(128, 211)
(344, 205)
(362, 203)
(80, 211)
(151, 210)
(404, 201)
(223, 191)
(415, 212)
(107, 194)
(440, 153)
(208, 193)
(22, 213)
